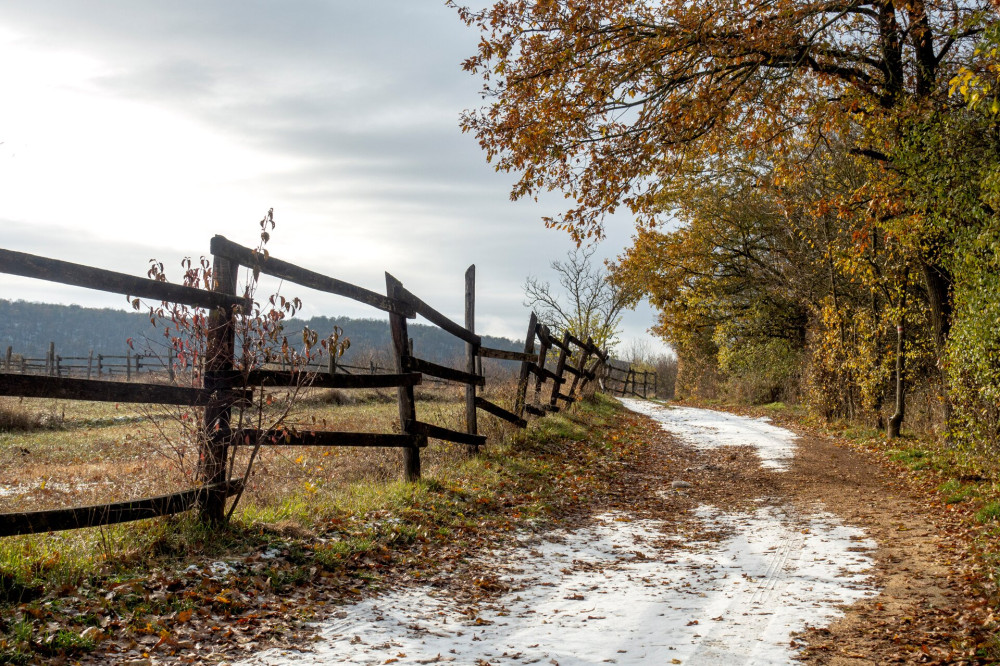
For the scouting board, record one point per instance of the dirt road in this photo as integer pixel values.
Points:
(735, 542)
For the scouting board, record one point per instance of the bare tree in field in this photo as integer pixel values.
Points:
(586, 303)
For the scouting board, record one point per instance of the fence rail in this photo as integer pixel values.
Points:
(578, 363)
(626, 380)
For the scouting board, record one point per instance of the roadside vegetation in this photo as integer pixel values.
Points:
(326, 524)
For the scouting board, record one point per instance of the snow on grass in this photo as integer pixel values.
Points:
(708, 429)
(622, 592)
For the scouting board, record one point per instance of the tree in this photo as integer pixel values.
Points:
(630, 103)
(612, 102)
(590, 304)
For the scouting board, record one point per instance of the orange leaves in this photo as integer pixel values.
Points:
(603, 100)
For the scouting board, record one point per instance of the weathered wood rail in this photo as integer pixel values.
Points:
(577, 364)
(623, 379)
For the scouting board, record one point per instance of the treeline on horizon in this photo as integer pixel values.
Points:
(28, 328)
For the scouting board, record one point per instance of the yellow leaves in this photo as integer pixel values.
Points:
(975, 89)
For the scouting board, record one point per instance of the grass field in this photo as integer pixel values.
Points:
(60, 453)
(324, 509)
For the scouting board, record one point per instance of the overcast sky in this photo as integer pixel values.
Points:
(133, 130)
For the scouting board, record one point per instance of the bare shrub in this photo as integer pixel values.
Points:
(15, 416)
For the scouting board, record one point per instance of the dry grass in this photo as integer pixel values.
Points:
(74, 454)
(15, 415)
(346, 494)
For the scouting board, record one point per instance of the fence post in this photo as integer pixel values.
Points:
(90, 363)
(582, 377)
(407, 404)
(170, 364)
(219, 351)
(543, 352)
(138, 358)
(10, 352)
(50, 362)
(128, 365)
(522, 380)
(581, 368)
(58, 365)
(560, 367)
(471, 352)
(100, 365)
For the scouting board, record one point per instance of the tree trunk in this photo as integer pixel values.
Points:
(897, 419)
(938, 282)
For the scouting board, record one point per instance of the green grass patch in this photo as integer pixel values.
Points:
(913, 458)
(990, 512)
(955, 491)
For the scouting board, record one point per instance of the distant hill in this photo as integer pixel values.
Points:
(29, 328)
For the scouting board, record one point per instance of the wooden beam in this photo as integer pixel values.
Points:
(244, 256)
(220, 352)
(250, 437)
(534, 411)
(471, 357)
(546, 336)
(78, 275)
(35, 386)
(543, 350)
(567, 398)
(504, 355)
(406, 402)
(437, 432)
(414, 364)
(560, 367)
(522, 379)
(326, 380)
(580, 369)
(500, 412)
(597, 351)
(56, 520)
(435, 317)
(542, 373)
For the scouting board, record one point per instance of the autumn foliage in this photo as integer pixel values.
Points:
(813, 184)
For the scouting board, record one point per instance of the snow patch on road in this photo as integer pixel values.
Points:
(621, 591)
(707, 429)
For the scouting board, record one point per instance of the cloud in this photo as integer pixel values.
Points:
(191, 118)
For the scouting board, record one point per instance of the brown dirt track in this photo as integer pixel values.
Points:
(930, 608)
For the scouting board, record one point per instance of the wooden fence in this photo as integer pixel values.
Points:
(622, 379)
(577, 363)
(128, 365)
